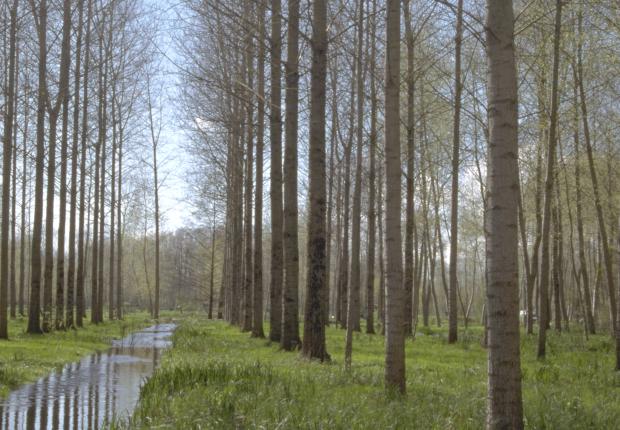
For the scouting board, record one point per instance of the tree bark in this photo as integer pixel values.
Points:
(549, 192)
(505, 407)
(119, 230)
(112, 261)
(62, 211)
(583, 264)
(23, 228)
(275, 136)
(69, 317)
(155, 144)
(607, 257)
(454, 212)
(12, 273)
(290, 321)
(212, 266)
(7, 156)
(343, 276)
(353, 298)
(394, 330)
(81, 260)
(249, 171)
(257, 293)
(34, 308)
(95, 286)
(372, 187)
(314, 316)
(410, 176)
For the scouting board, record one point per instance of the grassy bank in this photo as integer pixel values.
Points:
(25, 358)
(216, 377)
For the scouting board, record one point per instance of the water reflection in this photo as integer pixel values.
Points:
(90, 393)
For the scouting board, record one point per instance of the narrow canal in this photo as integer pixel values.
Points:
(92, 392)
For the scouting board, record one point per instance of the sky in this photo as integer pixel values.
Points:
(174, 162)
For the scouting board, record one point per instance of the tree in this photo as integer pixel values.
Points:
(248, 72)
(372, 215)
(257, 292)
(411, 299)
(314, 319)
(62, 211)
(212, 266)
(7, 155)
(597, 203)
(81, 243)
(53, 110)
(353, 294)
(34, 311)
(69, 318)
(112, 272)
(549, 191)
(275, 136)
(505, 408)
(290, 324)
(394, 330)
(454, 214)
(99, 183)
(155, 133)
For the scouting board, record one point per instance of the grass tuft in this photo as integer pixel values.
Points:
(216, 377)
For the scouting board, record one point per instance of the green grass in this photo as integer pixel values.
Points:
(218, 378)
(25, 358)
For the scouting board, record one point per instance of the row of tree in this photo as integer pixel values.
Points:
(335, 149)
(79, 83)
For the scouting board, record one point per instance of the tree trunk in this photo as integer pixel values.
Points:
(7, 156)
(154, 144)
(80, 307)
(333, 171)
(69, 317)
(212, 266)
(290, 324)
(410, 209)
(23, 228)
(119, 231)
(354, 302)
(556, 268)
(372, 217)
(549, 193)
(248, 71)
(34, 314)
(111, 267)
(34, 311)
(275, 136)
(454, 212)
(505, 408)
(62, 211)
(381, 254)
(257, 293)
(343, 276)
(583, 264)
(12, 276)
(395, 336)
(607, 257)
(353, 298)
(62, 216)
(314, 316)
(95, 286)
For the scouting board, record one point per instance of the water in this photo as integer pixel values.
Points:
(89, 393)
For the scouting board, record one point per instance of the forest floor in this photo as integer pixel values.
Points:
(216, 377)
(25, 358)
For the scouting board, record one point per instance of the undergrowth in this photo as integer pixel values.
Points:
(216, 377)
